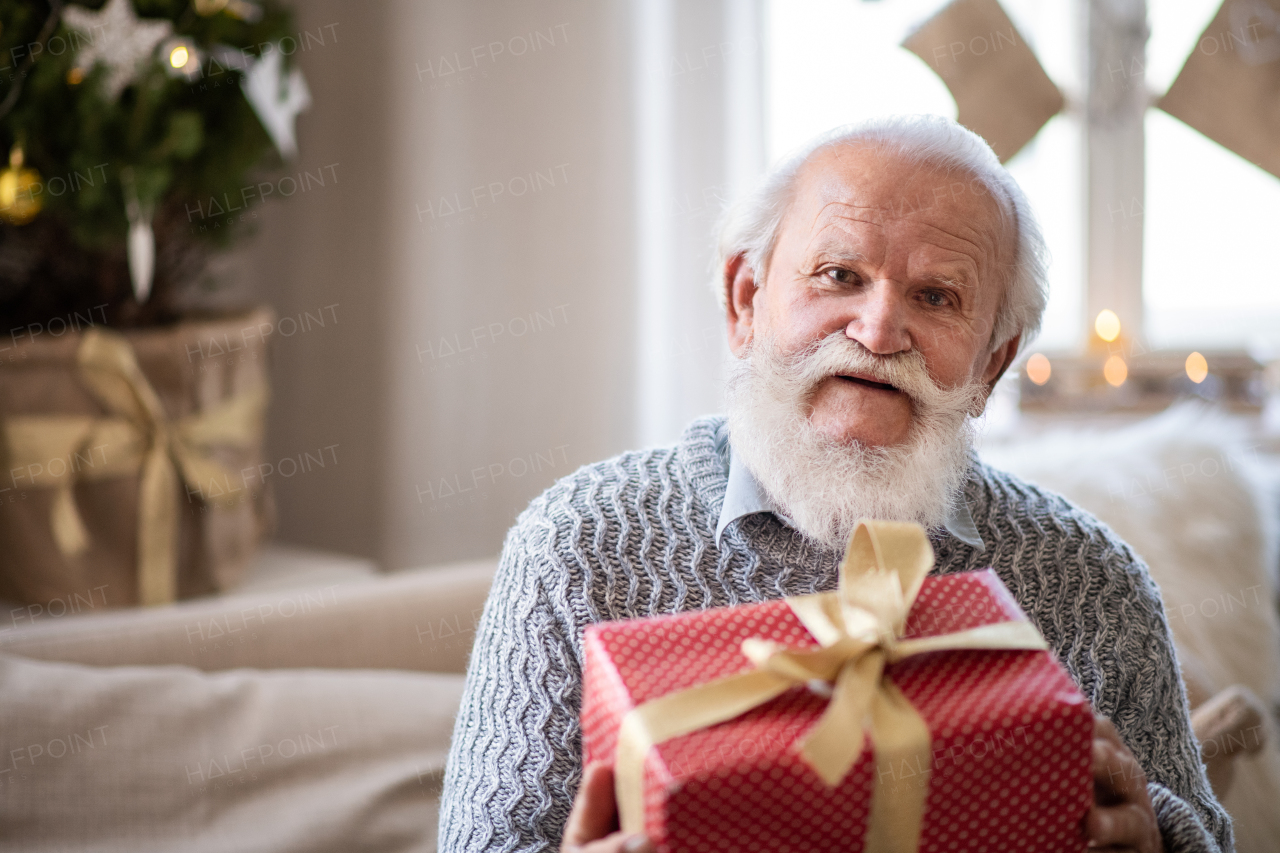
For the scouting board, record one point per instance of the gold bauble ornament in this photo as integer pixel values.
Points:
(18, 190)
(245, 10)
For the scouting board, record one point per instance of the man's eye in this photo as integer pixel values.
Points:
(937, 299)
(843, 276)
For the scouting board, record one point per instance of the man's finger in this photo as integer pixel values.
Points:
(594, 813)
(1105, 772)
(1117, 772)
(616, 843)
(1123, 827)
(1104, 728)
(1121, 818)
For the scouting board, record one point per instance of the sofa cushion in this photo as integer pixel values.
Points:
(163, 758)
(422, 619)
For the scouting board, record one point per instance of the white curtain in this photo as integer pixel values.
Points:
(700, 134)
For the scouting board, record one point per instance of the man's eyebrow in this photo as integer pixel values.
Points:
(958, 280)
(830, 251)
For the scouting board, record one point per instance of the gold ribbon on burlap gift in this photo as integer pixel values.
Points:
(859, 630)
(135, 438)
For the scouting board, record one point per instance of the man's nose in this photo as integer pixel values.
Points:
(879, 320)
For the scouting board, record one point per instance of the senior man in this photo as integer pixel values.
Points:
(876, 286)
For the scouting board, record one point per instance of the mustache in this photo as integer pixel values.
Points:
(837, 354)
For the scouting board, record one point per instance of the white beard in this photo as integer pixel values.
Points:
(826, 487)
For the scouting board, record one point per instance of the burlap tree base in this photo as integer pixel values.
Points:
(130, 460)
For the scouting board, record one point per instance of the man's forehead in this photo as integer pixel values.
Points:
(842, 216)
(840, 239)
(873, 183)
(850, 191)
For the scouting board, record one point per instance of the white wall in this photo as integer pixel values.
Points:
(495, 348)
(321, 252)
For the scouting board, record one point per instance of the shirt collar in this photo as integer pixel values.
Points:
(744, 496)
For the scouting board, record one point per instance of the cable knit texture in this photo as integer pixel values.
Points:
(635, 536)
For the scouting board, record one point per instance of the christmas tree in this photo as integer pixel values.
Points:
(122, 120)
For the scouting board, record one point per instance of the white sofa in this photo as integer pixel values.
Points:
(310, 711)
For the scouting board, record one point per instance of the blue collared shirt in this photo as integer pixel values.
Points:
(743, 496)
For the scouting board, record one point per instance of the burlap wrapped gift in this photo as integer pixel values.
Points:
(130, 459)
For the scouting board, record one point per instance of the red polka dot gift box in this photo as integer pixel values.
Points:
(899, 713)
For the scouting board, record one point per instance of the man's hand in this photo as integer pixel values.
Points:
(1121, 817)
(593, 823)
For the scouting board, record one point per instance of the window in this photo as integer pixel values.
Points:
(1210, 272)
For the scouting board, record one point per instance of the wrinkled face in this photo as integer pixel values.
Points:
(898, 256)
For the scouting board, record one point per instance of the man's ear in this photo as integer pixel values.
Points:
(740, 292)
(1000, 359)
(997, 363)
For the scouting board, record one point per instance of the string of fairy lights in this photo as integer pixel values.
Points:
(1115, 370)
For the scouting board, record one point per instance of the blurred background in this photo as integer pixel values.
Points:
(386, 270)
(490, 339)
(488, 252)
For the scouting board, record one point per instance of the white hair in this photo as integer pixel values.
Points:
(750, 226)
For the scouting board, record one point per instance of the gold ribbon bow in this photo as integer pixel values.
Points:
(135, 438)
(858, 629)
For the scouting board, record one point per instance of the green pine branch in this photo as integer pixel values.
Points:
(182, 142)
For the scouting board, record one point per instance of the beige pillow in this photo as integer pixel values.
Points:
(165, 758)
(420, 620)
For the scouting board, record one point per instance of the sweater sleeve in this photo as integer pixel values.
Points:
(1146, 700)
(514, 763)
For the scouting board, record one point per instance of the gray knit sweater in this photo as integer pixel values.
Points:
(635, 536)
